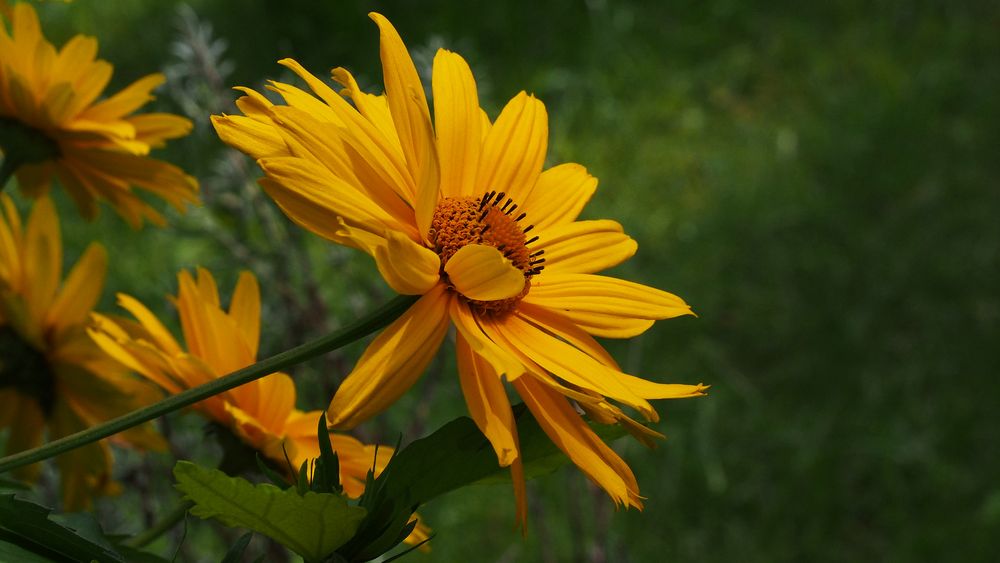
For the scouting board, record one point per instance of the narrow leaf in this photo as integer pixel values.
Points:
(29, 526)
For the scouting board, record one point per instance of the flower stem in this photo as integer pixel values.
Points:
(359, 329)
(169, 521)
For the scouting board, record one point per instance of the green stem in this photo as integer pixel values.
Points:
(7, 169)
(361, 328)
(169, 521)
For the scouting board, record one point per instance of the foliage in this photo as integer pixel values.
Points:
(310, 524)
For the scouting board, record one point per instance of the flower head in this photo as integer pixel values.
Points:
(53, 125)
(261, 413)
(52, 376)
(459, 211)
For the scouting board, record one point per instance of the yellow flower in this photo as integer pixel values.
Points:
(52, 376)
(95, 148)
(261, 413)
(461, 213)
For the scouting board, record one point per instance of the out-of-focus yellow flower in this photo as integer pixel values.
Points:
(52, 375)
(52, 123)
(460, 212)
(261, 413)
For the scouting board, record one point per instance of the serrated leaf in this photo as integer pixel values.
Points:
(29, 526)
(312, 525)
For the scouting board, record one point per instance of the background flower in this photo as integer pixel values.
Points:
(53, 378)
(97, 149)
(218, 341)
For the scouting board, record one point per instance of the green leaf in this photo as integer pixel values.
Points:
(458, 454)
(235, 553)
(312, 525)
(29, 527)
(454, 456)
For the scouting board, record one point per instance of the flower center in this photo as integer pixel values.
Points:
(25, 145)
(25, 369)
(490, 220)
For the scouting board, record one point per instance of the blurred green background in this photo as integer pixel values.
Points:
(819, 182)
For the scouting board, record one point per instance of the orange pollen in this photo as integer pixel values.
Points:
(493, 221)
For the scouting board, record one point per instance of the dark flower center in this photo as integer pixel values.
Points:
(26, 369)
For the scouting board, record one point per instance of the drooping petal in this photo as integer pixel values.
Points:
(569, 363)
(482, 272)
(393, 361)
(559, 195)
(457, 124)
(487, 402)
(569, 432)
(502, 361)
(409, 268)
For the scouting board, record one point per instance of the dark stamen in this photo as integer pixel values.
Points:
(528, 228)
(533, 239)
(519, 217)
(539, 253)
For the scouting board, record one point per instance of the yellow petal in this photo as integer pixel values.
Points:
(33, 180)
(85, 471)
(374, 147)
(572, 435)
(409, 268)
(249, 136)
(333, 148)
(487, 401)
(276, 396)
(569, 363)
(559, 195)
(411, 117)
(514, 149)
(457, 123)
(584, 247)
(393, 361)
(81, 290)
(583, 294)
(154, 128)
(244, 309)
(42, 260)
(502, 361)
(374, 108)
(312, 197)
(75, 57)
(483, 273)
(159, 333)
(131, 98)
